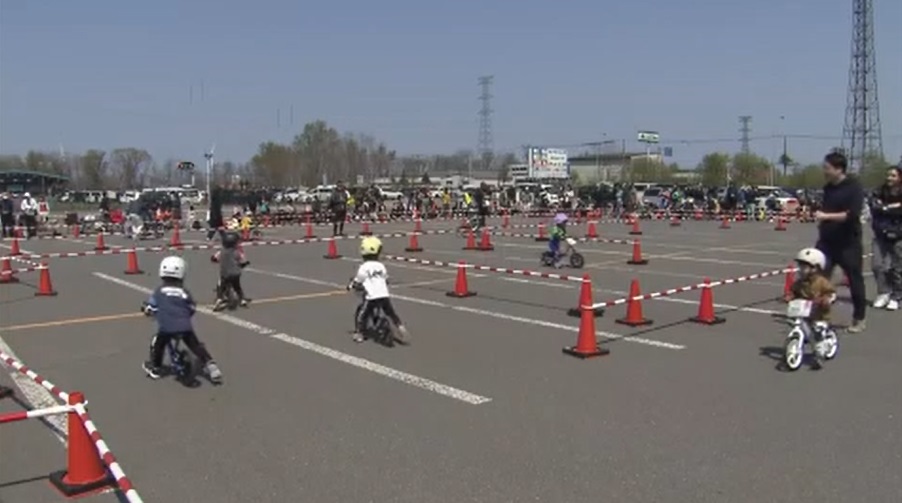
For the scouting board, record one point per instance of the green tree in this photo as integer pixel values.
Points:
(809, 177)
(751, 169)
(11, 163)
(713, 169)
(873, 169)
(131, 164)
(274, 164)
(93, 169)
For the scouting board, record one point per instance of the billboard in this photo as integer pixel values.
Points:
(548, 163)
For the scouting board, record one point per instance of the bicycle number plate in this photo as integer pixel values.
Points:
(799, 308)
(571, 241)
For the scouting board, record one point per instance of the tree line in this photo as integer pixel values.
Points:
(749, 169)
(319, 153)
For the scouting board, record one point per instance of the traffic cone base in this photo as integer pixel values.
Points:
(85, 472)
(6, 267)
(583, 354)
(708, 321)
(460, 295)
(641, 261)
(634, 323)
(575, 312)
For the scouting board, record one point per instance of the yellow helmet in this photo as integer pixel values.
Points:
(370, 245)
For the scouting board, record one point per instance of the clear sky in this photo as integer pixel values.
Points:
(107, 74)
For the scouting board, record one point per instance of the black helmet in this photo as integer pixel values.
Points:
(230, 239)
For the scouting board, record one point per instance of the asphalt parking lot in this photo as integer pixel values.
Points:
(483, 406)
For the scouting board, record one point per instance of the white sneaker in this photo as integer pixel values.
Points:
(882, 301)
(892, 305)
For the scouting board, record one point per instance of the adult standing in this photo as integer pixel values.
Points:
(338, 204)
(215, 213)
(886, 220)
(7, 215)
(29, 209)
(839, 231)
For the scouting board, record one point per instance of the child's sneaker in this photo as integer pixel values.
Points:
(213, 372)
(152, 370)
(358, 337)
(892, 305)
(245, 302)
(881, 301)
(219, 305)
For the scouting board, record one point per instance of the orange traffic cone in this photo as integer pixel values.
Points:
(309, 232)
(132, 264)
(585, 299)
(332, 252)
(636, 230)
(706, 307)
(592, 231)
(586, 344)
(781, 224)
(76, 230)
(414, 245)
(637, 255)
(471, 241)
(366, 229)
(541, 236)
(417, 225)
(14, 249)
(101, 246)
(461, 289)
(176, 239)
(85, 472)
(6, 272)
(675, 221)
(725, 223)
(506, 220)
(485, 243)
(789, 281)
(634, 316)
(45, 286)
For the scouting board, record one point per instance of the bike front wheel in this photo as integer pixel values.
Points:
(577, 261)
(794, 351)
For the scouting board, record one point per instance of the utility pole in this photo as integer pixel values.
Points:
(862, 125)
(745, 129)
(484, 146)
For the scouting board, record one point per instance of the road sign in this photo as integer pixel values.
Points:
(649, 136)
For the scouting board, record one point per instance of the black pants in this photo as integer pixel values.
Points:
(213, 231)
(338, 222)
(233, 282)
(848, 257)
(159, 342)
(483, 212)
(365, 311)
(30, 222)
(8, 221)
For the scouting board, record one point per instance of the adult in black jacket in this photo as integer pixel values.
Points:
(840, 233)
(216, 221)
(7, 215)
(338, 204)
(886, 213)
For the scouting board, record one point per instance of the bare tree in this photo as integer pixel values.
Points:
(131, 164)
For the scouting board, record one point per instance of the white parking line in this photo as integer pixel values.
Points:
(482, 312)
(412, 380)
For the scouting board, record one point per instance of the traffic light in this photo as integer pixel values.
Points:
(186, 166)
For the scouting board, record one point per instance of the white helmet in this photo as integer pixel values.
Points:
(173, 267)
(813, 257)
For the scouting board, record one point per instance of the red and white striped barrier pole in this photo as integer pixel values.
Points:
(689, 288)
(485, 268)
(13, 417)
(27, 372)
